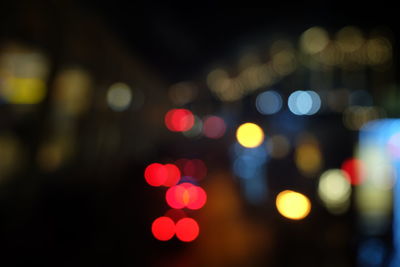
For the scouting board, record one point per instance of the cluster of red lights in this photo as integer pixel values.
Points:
(182, 120)
(179, 195)
(164, 228)
(157, 174)
(186, 195)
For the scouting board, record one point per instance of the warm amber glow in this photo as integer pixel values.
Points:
(308, 158)
(186, 197)
(314, 40)
(250, 135)
(293, 205)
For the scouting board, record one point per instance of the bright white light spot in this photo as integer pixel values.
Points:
(304, 102)
(334, 189)
(119, 97)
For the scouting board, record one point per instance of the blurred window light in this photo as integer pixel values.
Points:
(304, 102)
(225, 88)
(379, 51)
(331, 55)
(179, 120)
(214, 127)
(334, 190)
(314, 40)
(355, 170)
(278, 146)
(163, 228)
(256, 76)
(349, 39)
(355, 117)
(230, 90)
(215, 76)
(24, 90)
(182, 93)
(23, 73)
(268, 102)
(293, 205)
(187, 229)
(72, 91)
(52, 154)
(250, 135)
(119, 96)
(284, 62)
(308, 158)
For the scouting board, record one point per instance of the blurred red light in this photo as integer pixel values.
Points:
(173, 175)
(214, 127)
(163, 228)
(174, 197)
(187, 229)
(198, 198)
(155, 174)
(355, 170)
(179, 120)
(186, 195)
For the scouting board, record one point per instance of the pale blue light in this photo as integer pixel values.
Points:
(304, 102)
(268, 102)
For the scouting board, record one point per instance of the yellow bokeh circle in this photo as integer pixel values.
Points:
(250, 135)
(293, 205)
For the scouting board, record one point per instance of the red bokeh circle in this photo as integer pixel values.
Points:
(155, 174)
(163, 228)
(179, 120)
(187, 229)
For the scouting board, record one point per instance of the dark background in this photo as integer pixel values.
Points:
(96, 209)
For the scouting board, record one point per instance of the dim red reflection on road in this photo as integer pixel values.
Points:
(175, 214)
(179, 120)
(194, 168)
